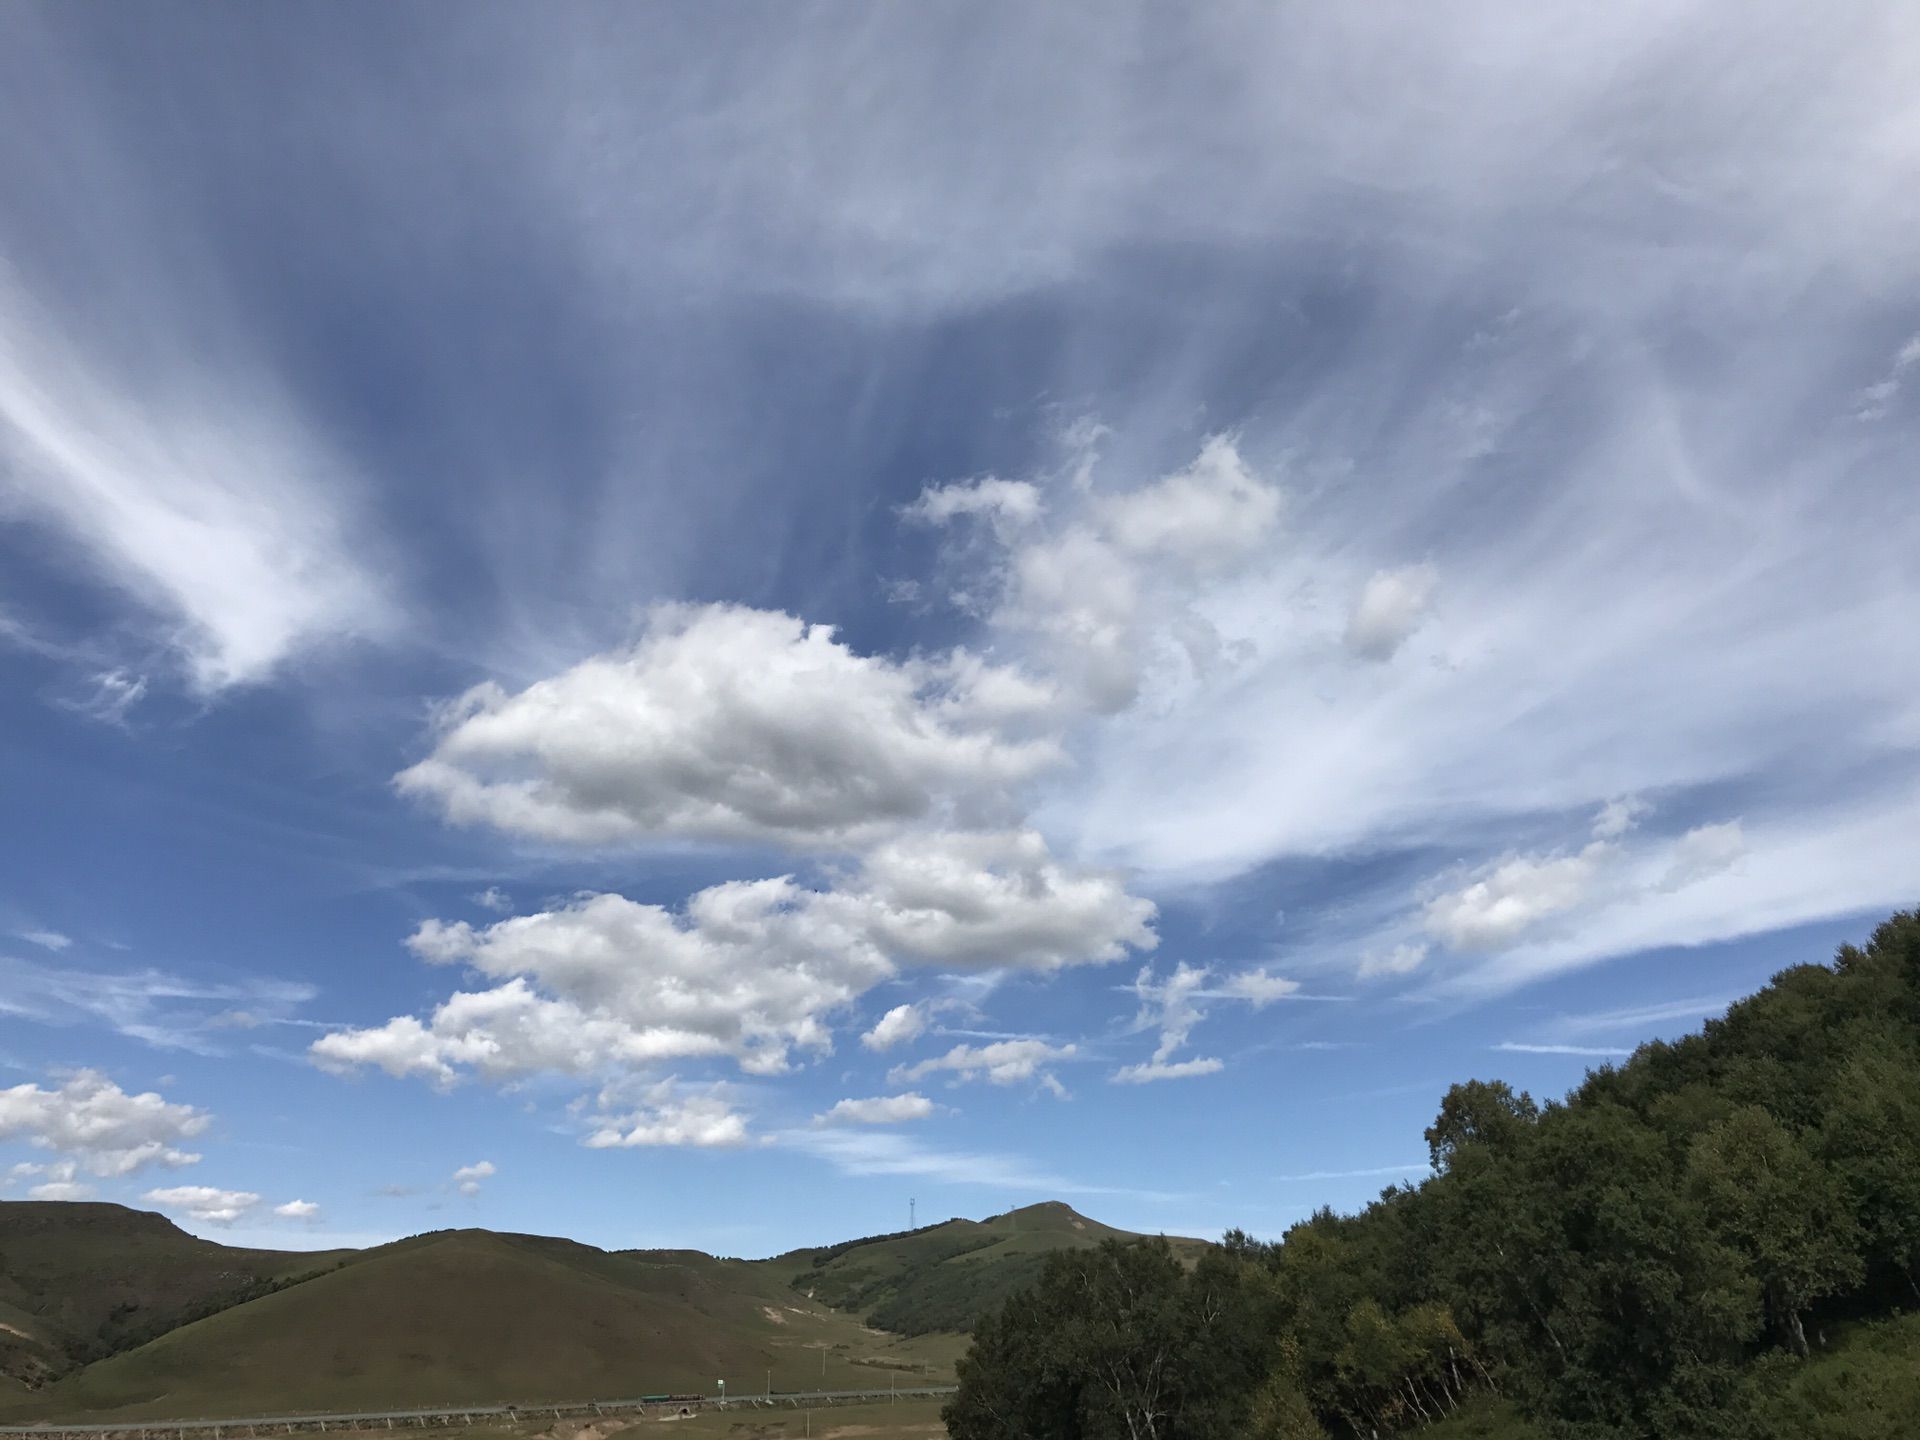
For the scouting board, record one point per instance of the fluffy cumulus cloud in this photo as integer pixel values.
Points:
(719, 723)
(898, 1026)
(1515, 897)
(748, 969)
(668, 1114)
(304, 1210)
(468, 1178)
(104, 1130)
(203, 1204)
(1107, 586)
(1000, 1062)
(877, 1110)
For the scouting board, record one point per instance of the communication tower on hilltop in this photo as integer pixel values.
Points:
(912, 1224)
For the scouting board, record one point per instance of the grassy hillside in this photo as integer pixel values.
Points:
(82, 1281)
(477, 1317)
(944, 1277)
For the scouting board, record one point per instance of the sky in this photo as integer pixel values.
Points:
(718, 626)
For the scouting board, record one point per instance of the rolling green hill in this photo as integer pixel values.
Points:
(944, 1277)
(82, 1281)
(175, 1326)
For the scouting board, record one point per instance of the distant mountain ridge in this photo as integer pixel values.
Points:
(112, 1312)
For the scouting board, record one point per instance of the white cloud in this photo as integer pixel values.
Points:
(1703, 852)
(878, 1110)
(1875, 401)
(750, 969)
(1513, 898)
(62, 1190)
(1172, 1007)
(204, 1203)
(1389, 609)
(55, 1181)
(106, 1131)
(1002, 1062)
(1519, 1047)
(668, 1115)
(1006, 502)
(493, 898)
(720, 723)
(1107, 586)
(1618, 816)
(1166, 1070)
(306, 1210)
(152, 1006)
(1257, 987)
(1401, 959)
(468, 1177)
(46, 939)
(899, 1025)
(200, 492)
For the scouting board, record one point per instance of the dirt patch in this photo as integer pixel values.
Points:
(774, 1315)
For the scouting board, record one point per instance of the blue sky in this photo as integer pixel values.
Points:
(680, 627)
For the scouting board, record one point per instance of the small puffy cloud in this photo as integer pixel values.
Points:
(720, 723)
(669, 1116)
(1703, 852)
(1617, 817)
(1257, 987)
(1004, 502)
(203, 1203)
(896, 1027)
(1389, 609)
(106, 1131)
(1211, 513)
(56, 1181)
(493, 898)
(298, 1210)
(47, 939)
(1003, 1062)
(468, 1177)
(1151, 1070)
(1517, 895)
(878, 1110)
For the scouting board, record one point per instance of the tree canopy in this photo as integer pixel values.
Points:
(1638, 1261)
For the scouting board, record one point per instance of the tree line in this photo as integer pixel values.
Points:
(1643, 1260)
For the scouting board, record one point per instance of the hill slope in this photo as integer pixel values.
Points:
(472, 1316)
(79, 1281)
(945, 1276)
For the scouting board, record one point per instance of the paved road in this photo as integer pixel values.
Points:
(450, 1414)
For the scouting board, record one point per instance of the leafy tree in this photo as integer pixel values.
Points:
(1763, 1191)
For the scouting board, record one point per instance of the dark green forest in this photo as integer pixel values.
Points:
(1661, 1254)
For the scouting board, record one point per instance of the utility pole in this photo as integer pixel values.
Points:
(912, 1222)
